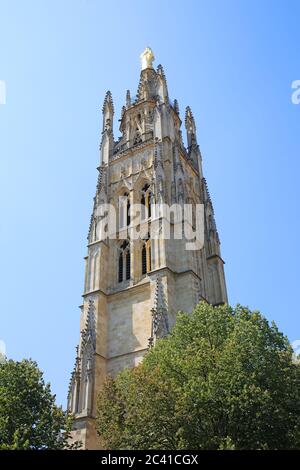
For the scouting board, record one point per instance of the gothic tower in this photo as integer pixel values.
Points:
(134, 286)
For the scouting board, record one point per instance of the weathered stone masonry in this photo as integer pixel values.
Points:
(133, 289)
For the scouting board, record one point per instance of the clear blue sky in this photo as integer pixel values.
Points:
(233, 62)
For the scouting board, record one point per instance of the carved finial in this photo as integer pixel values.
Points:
(128, 98)
(189, 119)
(190, 128)
(164, 90)
(147, 57)
(160, 71)
(108, 101)
(101, 181)
(88, 333)
(176, 106)
(159, 311)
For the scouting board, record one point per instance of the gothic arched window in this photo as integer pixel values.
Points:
(124, 211)
(149, 255)
(127, 265)
(146, 201)
(146, 256)
(124, 262)
(128, 210)
(121, 267)
(144, 259)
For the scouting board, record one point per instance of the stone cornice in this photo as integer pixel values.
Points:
(97, 242)
(211, 257)
(121, 355)
(144, 282)
(176, 273)
(132, 150)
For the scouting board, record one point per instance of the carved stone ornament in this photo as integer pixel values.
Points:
(147, 57)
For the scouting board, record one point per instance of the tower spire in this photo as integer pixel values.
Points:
(128, 99)
(133, 288)
(108, 110)
(107, 140)
(176, 107)
(190, 124)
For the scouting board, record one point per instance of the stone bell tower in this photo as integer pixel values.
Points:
(134, 287)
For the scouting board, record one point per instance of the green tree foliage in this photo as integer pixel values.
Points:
(224, 379)
(29, 417)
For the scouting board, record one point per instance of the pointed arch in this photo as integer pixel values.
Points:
(146, 200)
(144, 259)
(128, 210)
(146, 255)
(127, 257)
(124, 262)
(123, 209)
(120, 272)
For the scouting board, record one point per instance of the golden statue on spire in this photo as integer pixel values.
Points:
(147, 57)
